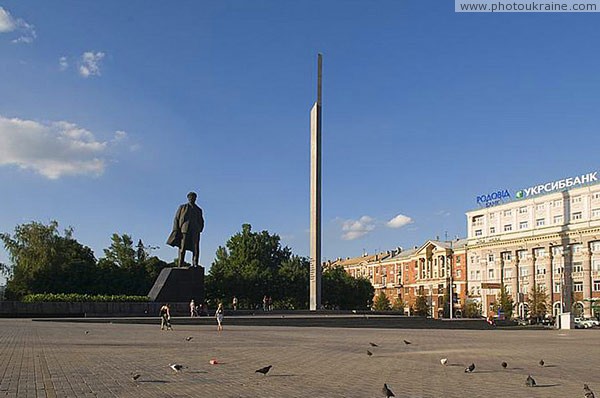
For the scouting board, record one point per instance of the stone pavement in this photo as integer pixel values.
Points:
(55, 359)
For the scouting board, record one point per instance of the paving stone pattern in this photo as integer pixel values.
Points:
(48, 359)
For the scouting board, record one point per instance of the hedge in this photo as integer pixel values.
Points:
(79, 298)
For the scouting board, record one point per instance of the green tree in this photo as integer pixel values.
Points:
(538, 302)
(504, 303)
(42, 260)
(292, 282)
(381, 303)
(472, 310)
(421, 307)
(247, 267)
(340, 290)
(398, 305)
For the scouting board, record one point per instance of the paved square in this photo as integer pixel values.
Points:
(50, 359)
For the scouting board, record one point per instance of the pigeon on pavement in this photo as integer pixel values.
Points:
(264, 370)
(541, 362)
(87, 332)
(530, 382)
(470, 369)
(369, 353)
(504, 365)
(176, 367)
(386, 391)
(444, 361)
(189, 338)
(373, 344)
(407, 342)
(136, 376)
(588, 392)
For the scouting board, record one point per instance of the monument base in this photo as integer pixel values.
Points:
(178, 285)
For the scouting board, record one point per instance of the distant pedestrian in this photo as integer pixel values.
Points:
(265, 301)
(219, 316)
(269, 303)
(165, 317)
(193, 312)
(234, 303)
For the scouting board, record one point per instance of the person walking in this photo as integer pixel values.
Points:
(234, 303)
(219, 316)
(165, 317)
(193, 312)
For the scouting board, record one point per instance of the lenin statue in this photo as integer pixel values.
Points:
(187, 226)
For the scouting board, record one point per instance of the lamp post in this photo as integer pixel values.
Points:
(450, 290)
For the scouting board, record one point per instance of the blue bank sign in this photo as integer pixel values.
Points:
(494, 198)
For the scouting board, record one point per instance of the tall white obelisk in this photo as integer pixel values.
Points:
(315, 196)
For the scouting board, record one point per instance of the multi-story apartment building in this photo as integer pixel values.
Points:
(549, 237)
(429, 271)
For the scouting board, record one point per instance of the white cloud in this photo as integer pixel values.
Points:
(63, 63)
(54, 149)
(7, 23)
(399, 221)
(10, 24)
(90, 63)
(354, 229)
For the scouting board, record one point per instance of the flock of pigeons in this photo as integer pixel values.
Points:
(387, 392)
(529, 382)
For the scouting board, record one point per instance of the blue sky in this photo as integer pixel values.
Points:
(110, 112)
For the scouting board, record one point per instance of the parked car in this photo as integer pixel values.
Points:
(581, 323)
(593, 321)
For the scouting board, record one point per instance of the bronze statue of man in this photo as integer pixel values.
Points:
(187, 226)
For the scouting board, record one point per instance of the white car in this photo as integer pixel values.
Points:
(581, 323)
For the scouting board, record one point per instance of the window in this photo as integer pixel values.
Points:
(492, 230)
(577, 248)
(540, 271)
(596, 265)
(539, 252)
(577, 266)
(490, 273)
(507, 256)
(477, 220)
(558, 269)
(596, 195)
(578, 286)
(540, 222)
(577, 215)
(540, 206)
(472, 275)
(508, 273)
(507, 213)
(523, 210)
(557, 203)
(597, 286)
(477, 275)
(508, 289)
(457, 259)
(556, 287)
(576, 199)
(458, 273)
(595, 246)
(478, 232)
(523, 225)
(595, 212)
(558, 219)
(508, 228)
(491, 257)
(557, 250)
(524, 271)
(522, 254)
(492, 216)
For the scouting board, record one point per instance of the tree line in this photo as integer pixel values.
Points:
(251, 265)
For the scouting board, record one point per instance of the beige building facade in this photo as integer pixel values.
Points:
(547, 237)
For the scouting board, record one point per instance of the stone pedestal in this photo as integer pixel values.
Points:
(178, 285)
